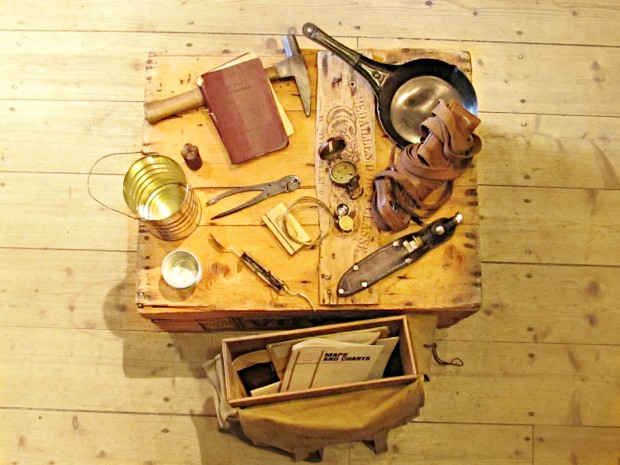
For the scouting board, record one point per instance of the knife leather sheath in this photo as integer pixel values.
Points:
(396, 255)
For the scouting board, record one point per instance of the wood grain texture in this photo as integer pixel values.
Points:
(547, 225)
(507, 383)
(345, 109)
(129, 439)
(85, 290)
(545, 304)
(429, 443)
(232, 294)
(567, 445)
(77, 370)
(588, 22)
(86, 380)
(59, 214)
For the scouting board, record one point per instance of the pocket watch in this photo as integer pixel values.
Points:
(344, 173)
(344, 221)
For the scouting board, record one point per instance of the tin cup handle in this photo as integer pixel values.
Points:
(90, 172)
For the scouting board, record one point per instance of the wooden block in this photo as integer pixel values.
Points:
(345, 109)
(282, 228)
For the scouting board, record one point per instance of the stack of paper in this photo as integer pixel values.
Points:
(329, 360)
(322, 362)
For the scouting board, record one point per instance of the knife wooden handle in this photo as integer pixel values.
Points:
(160, 109)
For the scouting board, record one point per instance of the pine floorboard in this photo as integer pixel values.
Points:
(85, 380)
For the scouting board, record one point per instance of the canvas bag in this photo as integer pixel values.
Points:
(305, 426)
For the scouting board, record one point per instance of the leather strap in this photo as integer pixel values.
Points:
(428, 167)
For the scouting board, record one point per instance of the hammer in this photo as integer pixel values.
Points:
(293, 66)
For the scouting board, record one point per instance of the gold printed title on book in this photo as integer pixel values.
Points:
(237, 86)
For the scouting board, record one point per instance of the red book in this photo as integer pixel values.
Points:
(241, 105)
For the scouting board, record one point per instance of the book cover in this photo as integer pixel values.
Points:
(280, 352)
(244, 112)
(288, 126)
(319, 363)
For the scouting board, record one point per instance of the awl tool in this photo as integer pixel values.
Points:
(267, 189)
(259, 270)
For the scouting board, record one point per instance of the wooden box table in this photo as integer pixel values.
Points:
(446, 281)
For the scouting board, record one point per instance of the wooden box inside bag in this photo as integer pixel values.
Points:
(303, 422)
(400, 369)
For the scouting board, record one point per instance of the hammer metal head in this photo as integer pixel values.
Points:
(294, 66)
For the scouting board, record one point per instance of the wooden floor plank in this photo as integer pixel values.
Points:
(507, 77)
(146, 372)
(586, 22)
(447, 444)
(84, 438)
(519, 150)
(150, 372)
(68, 136)
(93, 66)
(57, 213)
(549, 151)
(544, 225)
(544, 303)
(60, 289)
(569, 445)
(517, 225)
(507, 383)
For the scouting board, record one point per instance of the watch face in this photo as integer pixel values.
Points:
(342, 172)
(346, 223)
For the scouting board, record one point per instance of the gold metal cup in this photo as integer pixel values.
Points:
(157, 192)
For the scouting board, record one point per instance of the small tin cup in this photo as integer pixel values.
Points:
(181, 269)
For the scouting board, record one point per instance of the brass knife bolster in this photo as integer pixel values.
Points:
(381, 263)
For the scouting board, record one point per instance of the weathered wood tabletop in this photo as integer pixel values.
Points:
(446, 281)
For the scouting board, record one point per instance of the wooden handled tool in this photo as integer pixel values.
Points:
(293, 66)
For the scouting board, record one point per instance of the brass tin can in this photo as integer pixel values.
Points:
(157, 192)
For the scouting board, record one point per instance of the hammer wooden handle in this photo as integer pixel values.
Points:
(160, 109)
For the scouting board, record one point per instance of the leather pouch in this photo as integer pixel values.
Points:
(305, 426)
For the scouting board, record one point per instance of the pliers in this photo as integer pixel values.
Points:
(268, 189)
